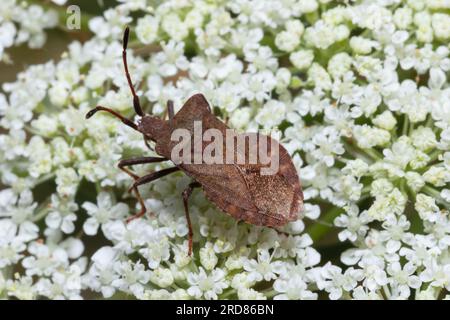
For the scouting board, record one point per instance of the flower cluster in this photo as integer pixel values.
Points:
(357, 89)
(23, 23)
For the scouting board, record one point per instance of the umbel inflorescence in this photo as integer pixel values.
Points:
(358, 92)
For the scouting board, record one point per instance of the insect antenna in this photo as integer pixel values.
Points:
(128, 122)
(136, 102)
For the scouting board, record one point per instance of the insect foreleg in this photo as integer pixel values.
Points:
(152, 176)
(186, 194)
(126, 121)
(142, 180)
(140, 160)
(143, 208)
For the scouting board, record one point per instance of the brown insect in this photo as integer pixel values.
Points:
(237, 189)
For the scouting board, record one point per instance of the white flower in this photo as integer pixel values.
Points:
(206, 285)
(173, 25)
(208, 258)
(402, 279)
(147, 29)
(361, 45)
(11, 245)
(156, 252)
(440, 24)
(293, 289)
(67, 181)
(403, 17)
(45, 124)
(43, 260)
(7, 32)
(21, 287)
(321, 35)
(374, 277)
(426, 207)
(250, 294)
(101, 275)
(355, 224)
(339, 64)
(133, 277)
(361, 294)
(437, 275)
(62, 214)
(262, 268)
(319, 76)
(271, 114)
(258, 86)
(385, 120)
(328, 145)
(311, 102)
(162, 277)
(335, 282)
(287, 41)
(261, 59)
(102, 212)
(110, 25)
(368, 102)
(302, 59)
(368, 137)
(437, 176)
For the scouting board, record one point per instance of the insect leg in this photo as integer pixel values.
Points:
(126, 121)
(170, 110)
(152, 176)
(186, 194)
(146, 143)
(143, 208)
(136, 102)
(142, 180)
(140, 160)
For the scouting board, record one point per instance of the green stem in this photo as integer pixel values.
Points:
(40, 215)
(411, 128)
(434, 155)
(270, 294)
(317, 231)
(429, 122)
(45, 178)
(7, 273)
(228, 293)
(366, 190)
(386, 292)
(436, 195)
(405, 125)
(375, 155)
(356, 153)
(42, 210)
(33, 131)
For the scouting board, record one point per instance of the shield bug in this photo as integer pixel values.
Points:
(239, 188)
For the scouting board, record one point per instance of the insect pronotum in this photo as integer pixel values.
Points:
(239, 189)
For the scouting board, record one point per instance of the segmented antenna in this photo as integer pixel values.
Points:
(136, 102)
